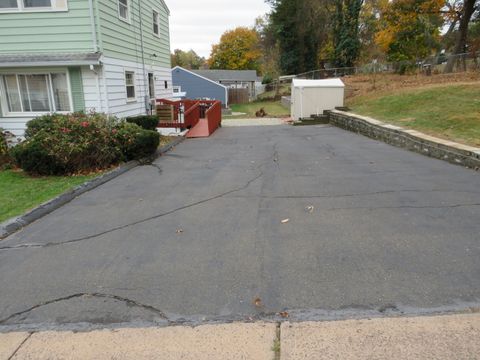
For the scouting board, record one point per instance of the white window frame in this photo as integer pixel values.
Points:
(157, 19)
(56, 6)
(134, 99)
(3, 93)
(127, 19)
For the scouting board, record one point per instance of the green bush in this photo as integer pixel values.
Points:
(147, 122)
(65, 144)
(34, 158)
(68, 144)
(135, 142)
(4, 154)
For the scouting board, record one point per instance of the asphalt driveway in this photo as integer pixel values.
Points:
(203, 232)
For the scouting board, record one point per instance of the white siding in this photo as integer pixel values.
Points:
(94, 94)
(114, 71)
(115, 103)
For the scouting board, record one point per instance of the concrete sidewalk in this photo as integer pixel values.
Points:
(440, 337)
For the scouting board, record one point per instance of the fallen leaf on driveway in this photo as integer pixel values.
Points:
(284, 314)
(310, 209)
(179, 231)
(257, 302)
(284, 221)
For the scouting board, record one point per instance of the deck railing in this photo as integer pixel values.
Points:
(187, 113)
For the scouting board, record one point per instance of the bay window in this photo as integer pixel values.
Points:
(36, 93)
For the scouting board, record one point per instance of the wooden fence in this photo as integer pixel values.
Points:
(238, 96)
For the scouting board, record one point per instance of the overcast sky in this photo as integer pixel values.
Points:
(198, 24)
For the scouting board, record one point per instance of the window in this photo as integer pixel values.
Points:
(33, 5)
(27, 93)
(151, 85)
(8, 4)
(156, 27)
(123, 12)
(130, 85)
(37, 3)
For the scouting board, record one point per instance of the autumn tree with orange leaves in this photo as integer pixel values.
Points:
(410, 29)
(239, 49)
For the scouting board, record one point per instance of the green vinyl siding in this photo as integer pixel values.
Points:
(76, 87)
(122, 40)
(47, 32)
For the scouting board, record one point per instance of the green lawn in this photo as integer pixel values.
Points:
(450, 112)
(20, 192)
(273, 109)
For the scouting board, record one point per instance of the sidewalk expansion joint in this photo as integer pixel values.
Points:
(20, 346)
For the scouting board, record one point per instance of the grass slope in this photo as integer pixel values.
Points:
(450, 112)
(273, 108)
(21, 192)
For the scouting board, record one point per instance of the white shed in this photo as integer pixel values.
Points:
(312, 97)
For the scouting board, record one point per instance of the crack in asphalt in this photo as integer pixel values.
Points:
(450, 206)
(117, 228)
(333, 196)
(95, 295)
(156, 166)
(20, 346)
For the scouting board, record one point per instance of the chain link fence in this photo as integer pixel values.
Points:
(432, 65)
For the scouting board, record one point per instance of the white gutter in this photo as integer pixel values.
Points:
(50, 63)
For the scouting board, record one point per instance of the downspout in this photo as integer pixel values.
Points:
(92, 23)
(95, 48)
(145, 79)
(102, 67)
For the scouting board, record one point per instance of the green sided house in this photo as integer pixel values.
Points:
(110, 56)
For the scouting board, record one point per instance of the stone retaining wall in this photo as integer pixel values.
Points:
(450, 151)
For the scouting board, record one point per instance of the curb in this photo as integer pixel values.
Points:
(12, 225)
(452, 152)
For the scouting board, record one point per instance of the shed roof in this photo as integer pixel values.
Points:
(333, 83)
(228, 75)
(62, 59)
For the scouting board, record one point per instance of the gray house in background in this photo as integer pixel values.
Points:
(195, 86)
(233, 79)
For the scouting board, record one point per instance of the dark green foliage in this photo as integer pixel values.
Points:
(135, 142)
(34, 158)
(300, 28)
(4, 154)
(346, 41)
(147, 122)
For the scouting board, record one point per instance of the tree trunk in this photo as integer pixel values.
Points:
(461, 43)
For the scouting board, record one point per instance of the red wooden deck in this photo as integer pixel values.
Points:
(200, 117)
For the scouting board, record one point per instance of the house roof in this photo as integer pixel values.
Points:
(228, 75)
(165, 6)
(64, 59)
(302, 83)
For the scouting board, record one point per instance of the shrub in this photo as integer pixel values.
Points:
(4, 154)
(65, 144)
(135, 142)
(34, 158)
(45, 122)
(147, 122)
